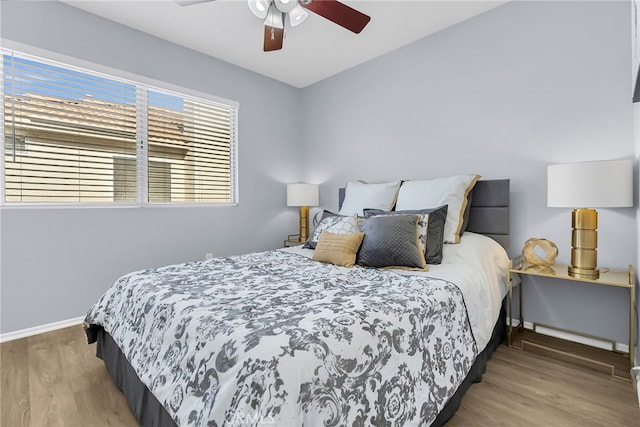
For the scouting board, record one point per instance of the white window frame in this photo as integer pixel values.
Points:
(141, 82)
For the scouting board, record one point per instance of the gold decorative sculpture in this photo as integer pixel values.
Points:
(550, 250)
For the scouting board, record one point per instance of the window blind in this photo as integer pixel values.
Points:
(192, 139)
(76, 136)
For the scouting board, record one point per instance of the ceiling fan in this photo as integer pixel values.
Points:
(273, 13)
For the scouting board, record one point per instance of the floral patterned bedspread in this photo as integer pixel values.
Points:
(273, 338)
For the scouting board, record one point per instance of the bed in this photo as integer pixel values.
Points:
(275, 338)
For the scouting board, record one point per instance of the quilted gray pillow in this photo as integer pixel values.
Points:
(391, 241)
(434, 236)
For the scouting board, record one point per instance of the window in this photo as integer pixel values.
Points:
(124, 180)
(75, 136)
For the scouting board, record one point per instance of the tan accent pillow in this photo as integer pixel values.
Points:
(338, 249)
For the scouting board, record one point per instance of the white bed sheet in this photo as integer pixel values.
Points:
(478, 266)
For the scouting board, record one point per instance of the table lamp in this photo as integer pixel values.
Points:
(303, 195)
(585, 186)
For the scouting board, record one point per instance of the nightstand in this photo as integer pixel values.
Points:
(293, 240)
(616, 278)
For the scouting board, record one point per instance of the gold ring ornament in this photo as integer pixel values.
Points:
(530, 254)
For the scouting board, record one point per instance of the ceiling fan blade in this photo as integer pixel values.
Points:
(339, 13)
(190, 2)
(273, 29)
(273, 37)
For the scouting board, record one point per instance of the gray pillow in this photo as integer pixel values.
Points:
(435, 228)
(391, 241)
(334, 223)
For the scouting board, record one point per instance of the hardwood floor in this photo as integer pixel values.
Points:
(527, 389)
(54, 379)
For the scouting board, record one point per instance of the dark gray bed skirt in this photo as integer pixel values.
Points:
(144, 406)
(149, 412)
(477, 369)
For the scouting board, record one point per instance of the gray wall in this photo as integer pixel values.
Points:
(56, 262)
(502, 95)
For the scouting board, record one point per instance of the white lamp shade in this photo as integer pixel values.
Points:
(285, 6)
(599, 184)
(297, 15)
(303, 194)
(259, 7)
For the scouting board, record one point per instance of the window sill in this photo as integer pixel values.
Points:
(112, 205)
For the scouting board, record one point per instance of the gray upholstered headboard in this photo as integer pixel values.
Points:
(489, 214)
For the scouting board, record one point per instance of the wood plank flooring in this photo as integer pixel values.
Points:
(615, 364)
(54, 379)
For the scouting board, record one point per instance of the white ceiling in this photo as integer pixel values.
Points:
(314, 50)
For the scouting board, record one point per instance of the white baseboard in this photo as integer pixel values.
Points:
(593, 342)
(23, 333)
(635, 379)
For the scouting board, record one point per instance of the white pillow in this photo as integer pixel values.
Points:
(452, 191)
(359, 195)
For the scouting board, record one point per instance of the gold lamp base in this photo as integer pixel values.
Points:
(584, 244)
(304, 223)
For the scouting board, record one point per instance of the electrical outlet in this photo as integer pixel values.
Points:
(208, 255)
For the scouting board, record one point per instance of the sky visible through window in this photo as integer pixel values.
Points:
(36, 78)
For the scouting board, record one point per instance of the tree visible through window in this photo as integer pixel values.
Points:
(75, 136)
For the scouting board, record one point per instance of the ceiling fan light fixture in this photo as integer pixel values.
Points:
(297, 15)
(286, 6)
(259, 8)
(274, 17)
